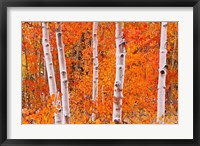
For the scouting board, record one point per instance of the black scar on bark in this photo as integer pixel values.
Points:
(117, 84)
(63, 72)
(59, 34)
(162, 72)
(165, 25)
(65, 81)
(166, 66)
(117, 121)
(57, 30)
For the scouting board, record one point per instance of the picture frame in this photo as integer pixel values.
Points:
(4, 141)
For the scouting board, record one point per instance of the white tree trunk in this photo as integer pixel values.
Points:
(49, 65)
(95, 65)
(63, 75)
(162, 74)
(120, 70)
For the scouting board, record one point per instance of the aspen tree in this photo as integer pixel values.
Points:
(63, 75)
(49, 66)
(95, 65)
(120, 70)
(162, 74)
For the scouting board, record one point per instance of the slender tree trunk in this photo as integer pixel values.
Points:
(45, 72)
(120, 70)
(49, 66)
(63, 75)
(40, 64)
(102, 94)
(162, 74)
(171, 95)
(95, 65)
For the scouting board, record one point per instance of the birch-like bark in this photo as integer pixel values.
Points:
(63, 75)
(162, 74)
(120, 70)
(95, 65)
(49, 66)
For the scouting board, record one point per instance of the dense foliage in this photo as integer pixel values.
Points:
(141, 73)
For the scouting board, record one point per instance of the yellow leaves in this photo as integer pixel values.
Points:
(140, 84)
(98, 121)
(90, 110)
(128, 49)
(90, 120)
(161, 118)
(121, 24)
(42, 114)
(111, 122)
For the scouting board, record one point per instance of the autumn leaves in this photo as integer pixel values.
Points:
(63, 114)
(110, 70)
(120, 73)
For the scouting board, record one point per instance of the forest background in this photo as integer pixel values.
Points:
(140, 91)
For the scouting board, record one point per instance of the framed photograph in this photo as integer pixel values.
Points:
(99, 72)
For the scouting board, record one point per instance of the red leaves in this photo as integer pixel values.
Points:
(41, 114)
(141, 74)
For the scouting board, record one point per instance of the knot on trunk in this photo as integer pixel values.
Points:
(47, 45)
(63, 72)
(59, 34)
(120, 67)
(164, 51)
(162, 71)
(65, 80)
(117, 84)
(117, 121)
(95, 35)
(123, 41)
(165, 25)
(165, 66)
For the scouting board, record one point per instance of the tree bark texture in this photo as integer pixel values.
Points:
(49, 65)
(162, 74)
(63, 75)
(120, 70)
(95, 65)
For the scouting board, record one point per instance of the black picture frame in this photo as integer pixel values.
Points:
(4, 4)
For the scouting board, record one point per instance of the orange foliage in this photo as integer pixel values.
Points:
(141, 73)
